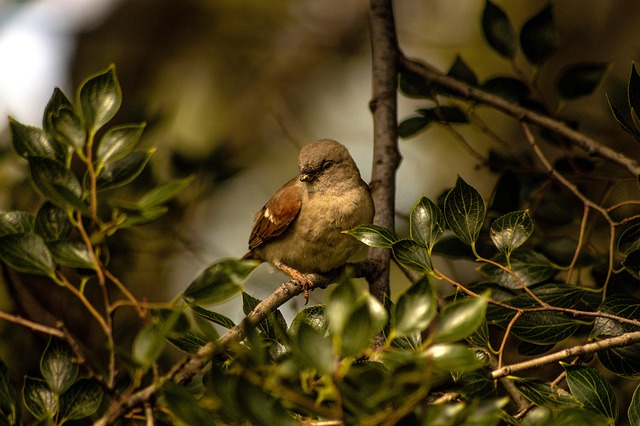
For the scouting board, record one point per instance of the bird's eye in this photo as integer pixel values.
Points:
(327, 165)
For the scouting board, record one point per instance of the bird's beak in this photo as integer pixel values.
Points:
(308, 174)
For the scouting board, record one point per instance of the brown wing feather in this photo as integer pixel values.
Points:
(276, 215)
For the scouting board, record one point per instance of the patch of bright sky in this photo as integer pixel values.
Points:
(36, 44)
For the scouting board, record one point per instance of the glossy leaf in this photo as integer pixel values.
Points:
(358, 331)
(10, 405)
(373, 235)
(15, 222)
(164, 193)
(464, 210)
(340, 302)
(461, 318)
(413, 255)
(590, 388)
(622, 121)
(542, 394)
(452, 357)
(220, 281)
(623, 361)
(118, 142)
(539, 38)
(29, 141)
(529, 266)
(38, 398)
(629, 240)
(415, 309)
(427, 223)
(81, 400)
(68, 128)
(580, 80)
(461, 71)
(273, 325)
(150, 341)
(444, 114)
(124, 170)
(631, 264)
(315, 348)
(510, 231)
(189, 342)
(58, 366)
(99, 98)
(52, 223)
(27, 253)
(212, 316)
(57, 101)
(315, 316)
(71, 253)
(498, 31)
(56, 183)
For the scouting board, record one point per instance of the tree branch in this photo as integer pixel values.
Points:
(467, 91)
(386, 157)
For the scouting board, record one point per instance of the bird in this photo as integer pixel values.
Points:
(300, 229)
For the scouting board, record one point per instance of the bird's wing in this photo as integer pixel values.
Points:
(277, 214)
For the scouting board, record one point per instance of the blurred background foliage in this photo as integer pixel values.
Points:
(230, 90)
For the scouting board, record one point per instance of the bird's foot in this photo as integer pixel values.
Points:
(298, 276)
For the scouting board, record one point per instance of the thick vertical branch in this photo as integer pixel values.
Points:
(386, 157)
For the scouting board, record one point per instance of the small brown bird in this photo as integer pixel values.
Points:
(299, 230)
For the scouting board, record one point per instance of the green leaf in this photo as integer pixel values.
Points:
(74, 254)
(461, 318)
(10, 406)
(99, 98)
(453, 357)
(184, 406)
(124, 170)
(580, 80)
(151, 339)
(357, 332)
(27, 253)
(427, 223)
(212, 316)
(52, 222)
(461, 71)
(373, 235)
(542, 394)
(509, 88)
(118, 142)
(539, 38)
(340, 302)
(56, 183)
(315, 316)
(510, 231)
(498, 31)
(38, 399)
(315, 348)
(81, 400)
(464, 210)
(15, 222)
(413, 255)
(634, 408)
(413, 125)
(57, 100)
(164, 193)
(220, 281)
(29, 141)
(58, 366)
(444, 114)
(530, 266)
(188, 342)
(629, 240)
(589, 387)
(261, 408)
(622, 121)
(67, 128)
(414, 86)
(415, 309)
(272, 325)
(623, 361)
(633, 90)
(631, 264)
